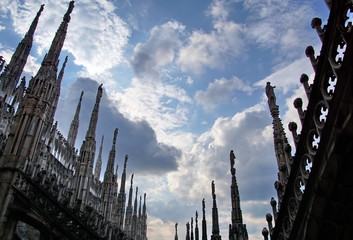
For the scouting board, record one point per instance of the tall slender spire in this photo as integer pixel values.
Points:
(71, 138)
(128, 218)
(187, 231)
(109, 171)
(56, 95)
(196, 226)
(134, 217)
(12, 73)
(282, 148)
(144, 219)
(122, 196)
(192, 229)
(176, 231)
(215, 226)
(98, 167)
(84, 174)
(91, 131)
(109, 181)
(204, 225)
(238, 230)
(58, 42)
(62, 71)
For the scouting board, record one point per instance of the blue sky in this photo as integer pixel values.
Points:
(184, 83)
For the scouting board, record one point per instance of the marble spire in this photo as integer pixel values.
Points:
(215, 225)
(196, 226)
(98, 167)
(204, 224)
(72, 135)
(282, 148)
(176, 231)
(12, 73)
(128, 218)
(84, 174)
(109, 181)
(122, 196)
(238, 230)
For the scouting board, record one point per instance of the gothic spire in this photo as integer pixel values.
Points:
(109, 181)
(135, 203)
(176, 231)
(84, 174)
(123, 176)
(144, 219)
(237, 228)
(122, 196)
(98, 167)
(187, 231)
(61, 73)
(56, 95)
(11, 75)
(53, 55)
(192, 229)
(204, 225)
(215, 226)
(128, 218)
(91, 131)
(71, 138)
(109, 171)
(282, 148)
(196, 226)
(134, 217)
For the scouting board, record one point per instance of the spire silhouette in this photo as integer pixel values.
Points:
(12, 73)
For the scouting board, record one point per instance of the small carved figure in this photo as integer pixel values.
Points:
(232, 159)
(270, 95)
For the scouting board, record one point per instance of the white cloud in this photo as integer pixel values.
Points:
(275, 24)
(161, 105)
(158, 51)
(211, 50)
(220, 90)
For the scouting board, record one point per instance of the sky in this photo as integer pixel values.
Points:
(184, 82)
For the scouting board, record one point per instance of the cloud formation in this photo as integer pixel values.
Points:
(136, 138)
(157, 51)
(220, 90)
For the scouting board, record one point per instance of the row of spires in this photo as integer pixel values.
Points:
(33, 121)
(237, 229)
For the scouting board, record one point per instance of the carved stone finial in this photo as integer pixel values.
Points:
(265, 233)
(310, 53)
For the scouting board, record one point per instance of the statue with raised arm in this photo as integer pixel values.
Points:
(270, 95)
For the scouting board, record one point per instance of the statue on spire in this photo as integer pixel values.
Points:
(271, 95)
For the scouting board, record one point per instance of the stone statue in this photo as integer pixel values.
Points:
(270, 95)
(232, 159)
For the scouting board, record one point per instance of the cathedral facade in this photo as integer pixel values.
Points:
(48, 188)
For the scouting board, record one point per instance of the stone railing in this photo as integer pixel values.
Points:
(321, 93)
(43, 192)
